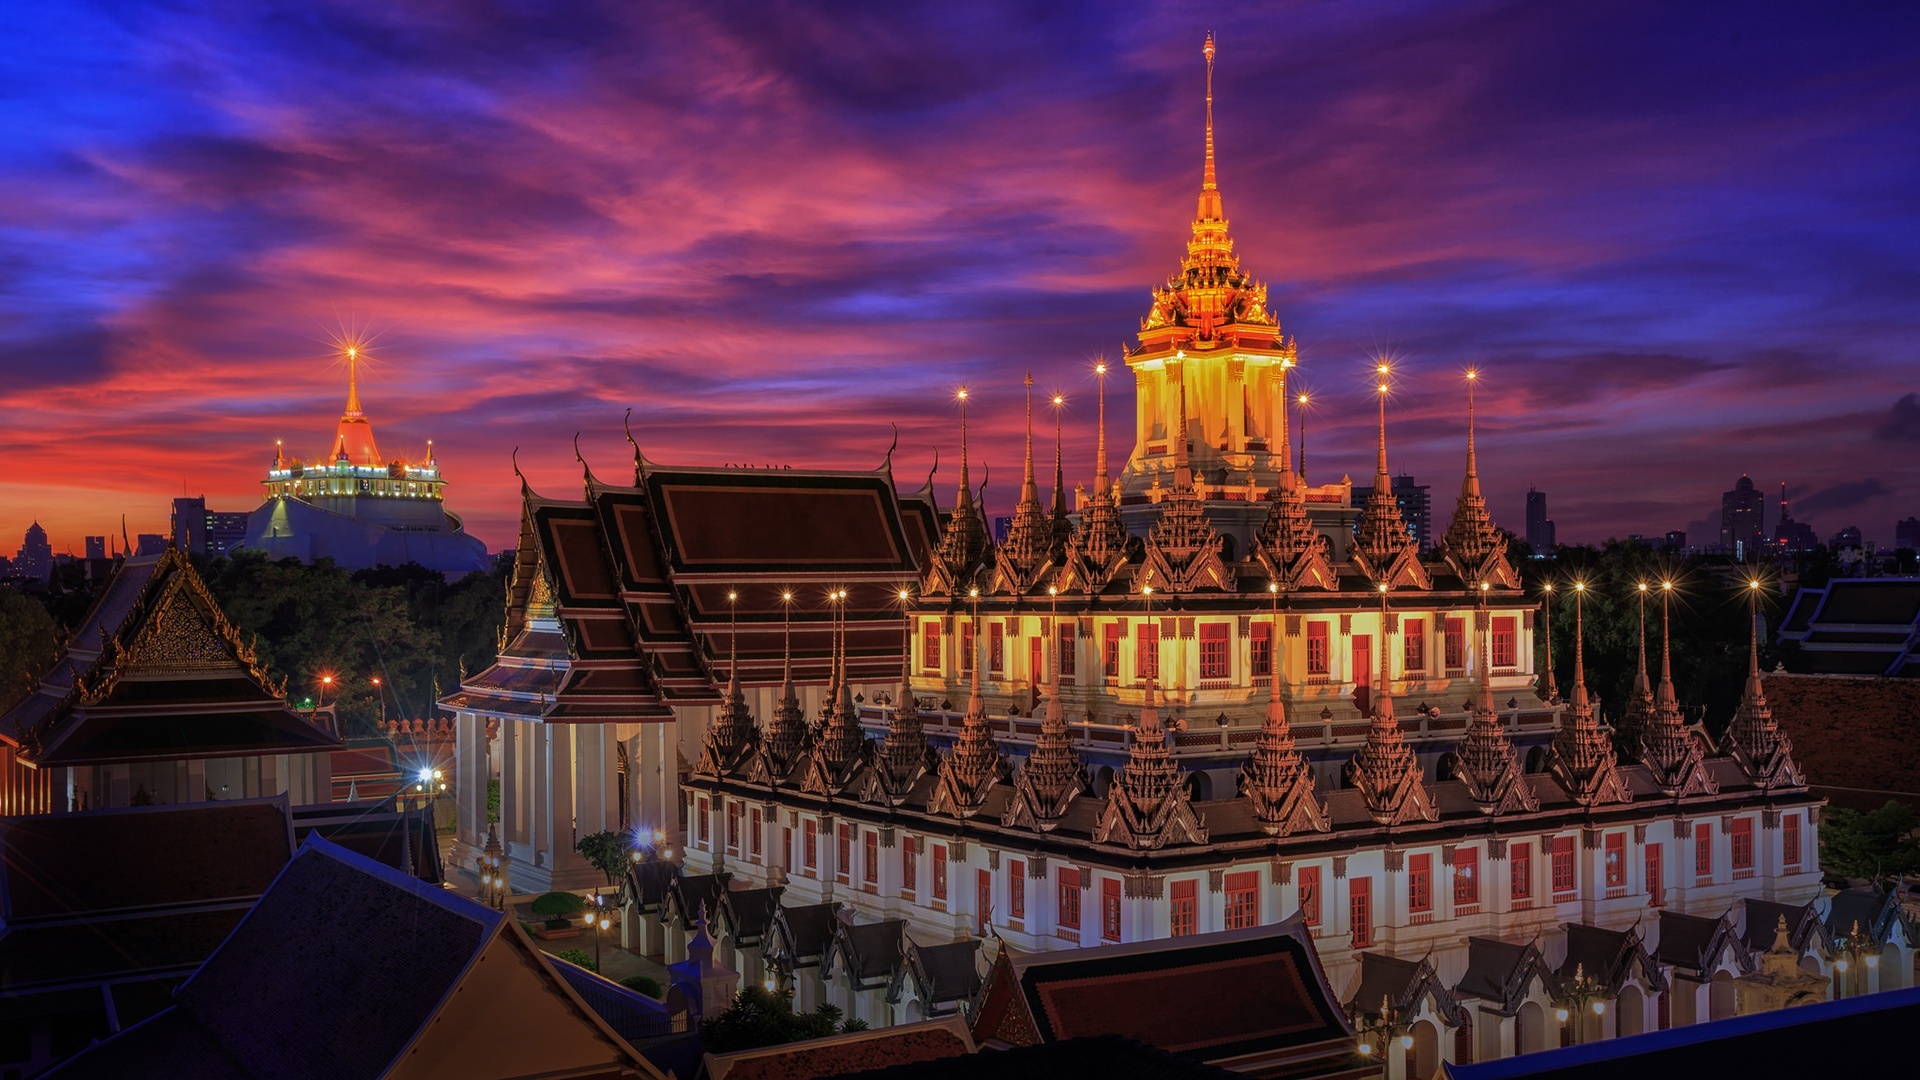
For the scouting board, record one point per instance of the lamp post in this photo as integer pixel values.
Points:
(493, 870)
(326, 684)
(1855, 949)
(1580, 996)
(600, 922)
(1374, 1037)
(382, 695)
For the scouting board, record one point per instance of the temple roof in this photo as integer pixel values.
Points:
(156, 673)
(1233, 994)
(268, 1001)
(846, 1053)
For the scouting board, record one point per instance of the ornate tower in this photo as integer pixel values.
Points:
(963, 551)
(1051, 777)
(1667, 748)
(730, 734)
(1488, 765)
(1213, 316)
(1291, 550)
(1382, 548)
(1098, 548)
(1473, 547)
(1385, 769)
(783, 739)
(1147, 806)
(903, 757)
(1275, 778)
(975, 763)
(1754, 740)
(1583, 758)
(1183, 550)
(1022, 560)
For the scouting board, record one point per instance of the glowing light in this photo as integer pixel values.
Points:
(903, 595)
(963, 393)
(1304, 399)
(1406, 1042)
(1485, 586)
(1059, 400)
(732, 596)
(1579, 586)
(973, 594)
(1366, 1049)
(1599, 1008)
(1666, 586)
(1382, 368)
(1383, 388)
(1273, 586)
(1549, 586)
(1560, 1015)
(1643, 586)
(1053, 591)
(1472, 374)
(1100, 368)
(1754, 584)
(1383, 586)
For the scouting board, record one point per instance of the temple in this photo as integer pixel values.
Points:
(1211, 698)
(358, 508)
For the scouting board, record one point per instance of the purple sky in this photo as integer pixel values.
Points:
(1682, 240)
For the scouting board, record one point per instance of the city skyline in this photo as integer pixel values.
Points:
(1658, 234)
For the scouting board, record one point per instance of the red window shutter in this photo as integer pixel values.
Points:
(1466, 876)
(1703, 849)
(966, 648)
(1243, 900)
(1420, 883)
(870, 868)
(1262, 649)
(1065, 647)
(754, 830)
(810, 841)
(1654, 888)
(996, 648)
(1316, 648)
(909, 864)
(939, 871)
(983, 897)
(1456, 644)
(1146, 657)
(1616, 860)
(1214, 661)
(1036, 663)
(1790, 839)
(843, 852)
(1068, 916)
(1742, 844)
(1360, 910)
(1110, 652)
(1110, 909)
(1520, 871)
(1563, 876)
(1413, 644)
(1183, 912)
(1503, 639)
(1016, 889)
(930, 646)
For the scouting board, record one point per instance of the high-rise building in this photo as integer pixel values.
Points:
(1743, 513)
(209, 533)
(35, 558)
(1540, 535)
(1848, 537)
(1416, 507)
(1789, 534)
(1676, 540)
(96, 547)
(149, 544)
(1906, 534)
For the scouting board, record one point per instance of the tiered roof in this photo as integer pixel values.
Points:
(155, 672)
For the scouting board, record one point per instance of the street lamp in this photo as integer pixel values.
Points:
(1375, 1035)
(1581, 996)
(600, 921)
(381, 694)
(1856, 948)
(326, 684)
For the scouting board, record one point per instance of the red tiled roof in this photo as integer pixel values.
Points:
(1851, 733)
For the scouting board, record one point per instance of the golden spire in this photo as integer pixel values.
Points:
(353, 380)
(1182, 456)
(1666, 696)
(1581, 705)
(965, 498)
(1381, 480)
(1280, 435)
(1059, 465)
(1210, 209)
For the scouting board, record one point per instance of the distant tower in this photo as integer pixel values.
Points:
(1742, 517)
(35, 557)
(1539, 526)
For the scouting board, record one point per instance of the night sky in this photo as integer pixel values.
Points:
(1682, 240)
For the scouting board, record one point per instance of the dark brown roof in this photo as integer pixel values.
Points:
(801, 934)
(1101, 1057)
(841, 1055)
(1211, 996)
(1501, 972)
(60, 865)
(1693, 944)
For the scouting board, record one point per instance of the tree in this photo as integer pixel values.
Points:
(1878, 845)
(557, 906)
(26, 646)
(761, 1017)
(642, 984)
(608, 851)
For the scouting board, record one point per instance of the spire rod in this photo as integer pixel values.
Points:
(1100, 480)
(1027, 486)
(733, 639)
(1640, 674)
(1209, 181)
(353, 380)
(1470, 487)
(1666, 645)
(1579, 646)
(1182, 458)
(786, 630)
(1059, 466)
(965, 498)
(1381, 481)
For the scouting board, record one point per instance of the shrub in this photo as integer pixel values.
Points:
(644, 984)
(578, 958)
(557, 907)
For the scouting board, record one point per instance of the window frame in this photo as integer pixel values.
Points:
(1017, 889)
(1183, 908)
(1307, 886)
(1319, 648)
(1242, 890)
(1466, 877)
(1216, 652)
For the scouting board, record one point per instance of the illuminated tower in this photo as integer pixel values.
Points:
(1209, 332)
(356, 507)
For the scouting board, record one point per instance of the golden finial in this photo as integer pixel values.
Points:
(353, 380)
(1209, 181)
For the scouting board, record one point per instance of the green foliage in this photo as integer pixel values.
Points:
(608, 851)
(408, 625)
(493, 802)
(578, 958)
(760, 1017)
(644, 984)
(1878, 845)
(558, 907)
(26, 645)
(1709, 621)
